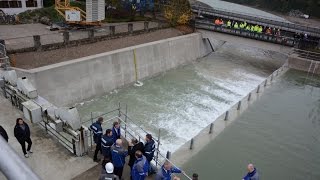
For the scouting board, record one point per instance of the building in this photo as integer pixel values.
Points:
(17, 6)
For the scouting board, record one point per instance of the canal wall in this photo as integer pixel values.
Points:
(196, 144)
(73, 81)
(302, 64)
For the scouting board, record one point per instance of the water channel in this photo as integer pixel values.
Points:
(279, 133)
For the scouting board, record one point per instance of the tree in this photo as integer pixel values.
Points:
(178, 12)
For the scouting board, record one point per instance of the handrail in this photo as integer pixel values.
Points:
(12, 166)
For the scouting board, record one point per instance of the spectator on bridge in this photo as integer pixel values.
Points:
(252, 173)
(133, 147)
(229, 24)
(3, 133)
(221, 22)
(140, 168)
(268, 31)
(236, 26)
(97, 134)
(216, 22)
(108, 173)
(116, 131)
(22, 133)
(106, 143)
(195, 176)
(166, 171)
(118, 157)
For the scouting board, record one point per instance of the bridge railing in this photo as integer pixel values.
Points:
(307, 54)
(257, 19)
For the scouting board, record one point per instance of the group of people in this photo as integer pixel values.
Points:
(114, 154)
(247, 27)
(22, 134)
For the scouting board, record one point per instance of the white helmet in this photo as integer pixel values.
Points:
(109, 167)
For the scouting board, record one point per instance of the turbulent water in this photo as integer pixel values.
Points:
(279, 133)
(242, 9)
(185, 100)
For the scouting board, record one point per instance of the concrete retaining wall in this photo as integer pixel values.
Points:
(302, 64)
(74, 81)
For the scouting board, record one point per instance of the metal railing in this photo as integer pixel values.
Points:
(11, 164)
(257, 19)
(130, 130)
(307, 54)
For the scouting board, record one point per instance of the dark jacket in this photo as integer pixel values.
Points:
(149, 149)
(118, 156)
(4, 134)
(106, 176)
(132, 150)
(97, 131)
(252, 176)
(166, 174)
(106, 143)
(21, 134)
(140, 169)
(116, 134)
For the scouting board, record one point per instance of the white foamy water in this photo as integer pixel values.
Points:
(183, 101)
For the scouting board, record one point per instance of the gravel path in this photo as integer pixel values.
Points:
(37, 59)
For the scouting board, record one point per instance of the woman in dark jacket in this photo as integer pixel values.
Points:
(22, 133)
(4, 134)
(134, 146)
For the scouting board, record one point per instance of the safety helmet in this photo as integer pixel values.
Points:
(109, 167)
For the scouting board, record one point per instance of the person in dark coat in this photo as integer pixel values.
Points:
(106, 143)
(116, 132)
(4, 134)
(97, 134)
(149, 149)
(133, 147)
(22, 133)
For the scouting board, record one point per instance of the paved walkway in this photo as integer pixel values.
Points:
(50, 160)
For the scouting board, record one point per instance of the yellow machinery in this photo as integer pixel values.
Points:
(75, 15)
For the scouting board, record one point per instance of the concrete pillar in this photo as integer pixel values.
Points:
(66, 37)
(112, 30)
(91, 33)
(130, 28)
(36, 41)
(146, 25)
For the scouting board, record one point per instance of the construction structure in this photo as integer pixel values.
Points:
(94, 14)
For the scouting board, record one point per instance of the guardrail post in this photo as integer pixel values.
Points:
(258, 89)
(249, 97)
(168, 156)
(91, 34)
(271, 77)
(119, 115)
(277, 72)
(36, 42)
(191, 144)
(226, 117)
(158, 145)
(146, 25)
(239, 105)
(66, 37)
(130, 28)
(91, 132)
(265, 82)
(125, 120)
(211, 128)
(112, 30)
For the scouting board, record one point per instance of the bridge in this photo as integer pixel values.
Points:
(254, 19)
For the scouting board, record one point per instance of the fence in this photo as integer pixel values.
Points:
(130, 129)
(55, 40)
(307, 54)
(257, 20)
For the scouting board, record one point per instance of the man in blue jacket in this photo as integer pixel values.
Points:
(106, 143)
(166, 171)
(116, 131)
(118, 157)
(252, 173)
(97, 134)
(140, 167)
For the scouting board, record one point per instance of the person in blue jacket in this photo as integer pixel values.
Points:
(118, 157)
(106, 143)
(252, 173)
(97, 134)
(140, 167)
(116, 131)
(166, 171)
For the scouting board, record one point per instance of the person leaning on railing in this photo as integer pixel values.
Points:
(166, 171)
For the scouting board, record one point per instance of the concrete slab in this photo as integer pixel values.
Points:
(50, 160)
